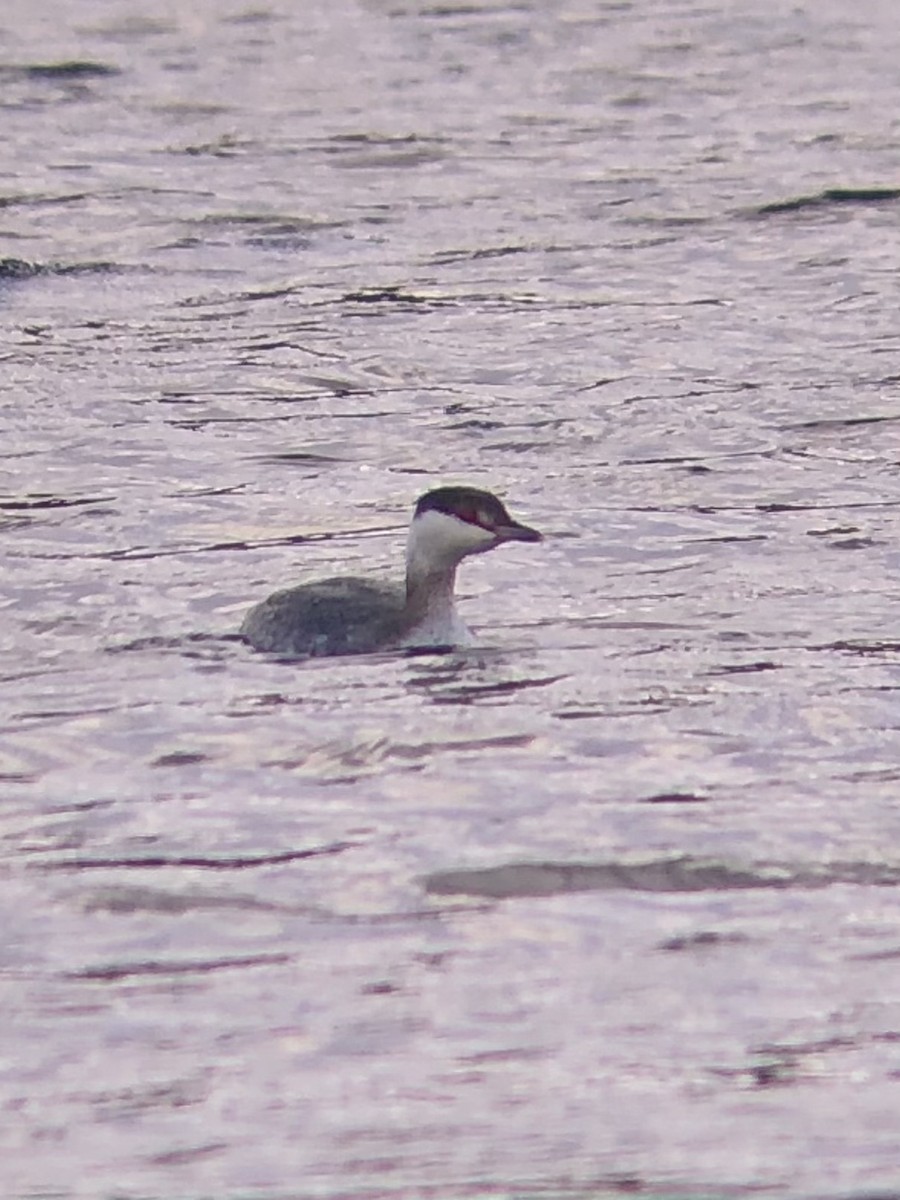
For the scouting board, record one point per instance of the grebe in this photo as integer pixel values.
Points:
(348, 615)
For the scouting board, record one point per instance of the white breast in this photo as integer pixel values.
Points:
(444, 630)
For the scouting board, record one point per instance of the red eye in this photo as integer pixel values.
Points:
(475, 516)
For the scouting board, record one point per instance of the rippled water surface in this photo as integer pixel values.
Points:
(608, 905)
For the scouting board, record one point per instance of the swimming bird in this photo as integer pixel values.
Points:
(352, 615)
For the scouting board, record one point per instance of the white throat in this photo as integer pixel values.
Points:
(437, 544)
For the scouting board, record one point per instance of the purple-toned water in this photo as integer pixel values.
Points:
(609, 905)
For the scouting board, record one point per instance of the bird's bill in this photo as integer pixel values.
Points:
(514, 532)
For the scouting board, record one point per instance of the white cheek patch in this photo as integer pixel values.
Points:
(440, 539)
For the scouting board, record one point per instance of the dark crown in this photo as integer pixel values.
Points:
(469, 504)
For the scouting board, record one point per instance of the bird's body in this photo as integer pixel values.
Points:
(350, 615)
(329, 616)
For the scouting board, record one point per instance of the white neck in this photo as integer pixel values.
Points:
(436, 545)
(431, 562)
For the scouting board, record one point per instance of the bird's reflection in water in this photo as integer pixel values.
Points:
(471, 676)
